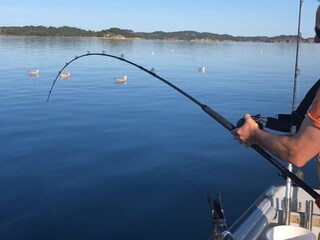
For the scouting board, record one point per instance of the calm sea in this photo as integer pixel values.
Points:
(107, 161)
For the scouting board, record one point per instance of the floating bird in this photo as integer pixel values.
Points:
(202, 69)
(122, 80)
(34, 72)
(65, 75)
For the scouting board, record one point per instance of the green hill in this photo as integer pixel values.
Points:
(117, 33)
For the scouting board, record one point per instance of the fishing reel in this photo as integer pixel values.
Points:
(261, 121)
(281, 122)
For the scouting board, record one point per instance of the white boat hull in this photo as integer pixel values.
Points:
(267, 212)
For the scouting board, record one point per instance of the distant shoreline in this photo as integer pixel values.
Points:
(125, 34)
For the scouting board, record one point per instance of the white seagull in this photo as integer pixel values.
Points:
(34, 72)
(65, 75)
(122, 80)
(202, 69)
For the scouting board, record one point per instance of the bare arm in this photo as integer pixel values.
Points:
(297, 149)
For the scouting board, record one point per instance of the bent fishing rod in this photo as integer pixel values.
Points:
(216, 116)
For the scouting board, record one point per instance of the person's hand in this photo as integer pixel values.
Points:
(246, 133)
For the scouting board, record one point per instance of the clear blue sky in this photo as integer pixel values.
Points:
(238, 18)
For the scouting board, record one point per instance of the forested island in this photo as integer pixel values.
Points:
(122, 34)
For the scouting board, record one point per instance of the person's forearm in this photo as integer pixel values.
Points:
(280, 146)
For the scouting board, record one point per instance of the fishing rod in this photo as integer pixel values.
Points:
(216, 116)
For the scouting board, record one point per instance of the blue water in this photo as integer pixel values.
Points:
(108, 161)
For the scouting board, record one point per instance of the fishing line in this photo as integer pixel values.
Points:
(216, 116)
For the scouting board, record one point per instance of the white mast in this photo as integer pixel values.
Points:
(287, 200)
